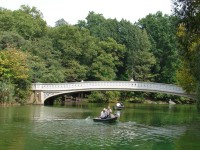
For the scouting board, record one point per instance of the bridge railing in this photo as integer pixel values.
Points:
(112, 85)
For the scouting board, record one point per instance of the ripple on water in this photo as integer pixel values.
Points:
(80, 132)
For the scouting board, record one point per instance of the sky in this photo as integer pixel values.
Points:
(73, 10)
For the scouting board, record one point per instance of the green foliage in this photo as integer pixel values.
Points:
(97, 97)
(11, 40)
(136, 100)
(185, 79)
(6, 92)
(140, 59)
(60, 22)
(103, 96)
(75, 71)
(13, 65)
(110, 46)
(44, 61)
(162, 34)
(189, 38)
(7, 20)
(14, 71)
(189, 14)
(77, 50)
(103, 68)
(26, 21)
(135, 42)
(22, 90)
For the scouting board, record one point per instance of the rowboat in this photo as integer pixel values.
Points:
(118, 107)
(109, 120)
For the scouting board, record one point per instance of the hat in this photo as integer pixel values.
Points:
(104, 109)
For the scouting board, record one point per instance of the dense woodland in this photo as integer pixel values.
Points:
(98, 49)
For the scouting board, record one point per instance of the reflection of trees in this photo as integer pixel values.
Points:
(12, 122)
(158, 115)
(190, 139)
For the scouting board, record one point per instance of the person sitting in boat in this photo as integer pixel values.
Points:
(103, 114)
(118, 104)
(109, 112)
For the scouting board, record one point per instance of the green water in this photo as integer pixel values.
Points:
(70, 127)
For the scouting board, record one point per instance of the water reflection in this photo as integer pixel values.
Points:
(118, 113)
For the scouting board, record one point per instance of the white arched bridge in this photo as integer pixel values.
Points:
(43, 91)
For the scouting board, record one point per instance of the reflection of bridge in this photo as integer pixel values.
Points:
(43, 91)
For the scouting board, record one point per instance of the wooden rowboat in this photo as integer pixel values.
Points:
(118, 107)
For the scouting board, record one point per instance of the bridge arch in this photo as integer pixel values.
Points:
(44, 91)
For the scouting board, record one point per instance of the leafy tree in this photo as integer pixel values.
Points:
(103, 96)
(124, 33)
(26, 21)
(139, 56)
(185, 79)
(13, 65)
(161, 30)
(96, 96)
(95, 23)
(103, 68)
(75, 71)
(11, 40)
(6, 92)
(189, 34)
(44, 61)
(110, 46)
(29, 23)
(77, 49)
(60, 22)
(7, 22)
(188, 13)
(101, 27)
(14, 70)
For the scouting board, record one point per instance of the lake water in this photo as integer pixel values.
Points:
(70, 127)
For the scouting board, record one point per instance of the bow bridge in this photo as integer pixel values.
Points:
(43, 91)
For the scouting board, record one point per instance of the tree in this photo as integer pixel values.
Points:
(139, 58)
(45, 61)
(11, 40)
(13, 65)
(124, 33)
(189, 37)
(60, 22)
(29, 23)
(103, 68)
(6, 92)
(77, 48)
(110, 46)
(26, 21)
(75, 71)
(14, 71)
(161, 30)
(95, 23)
(7, 22)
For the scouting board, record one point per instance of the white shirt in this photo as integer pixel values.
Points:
(118, 104)
(103, 114)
